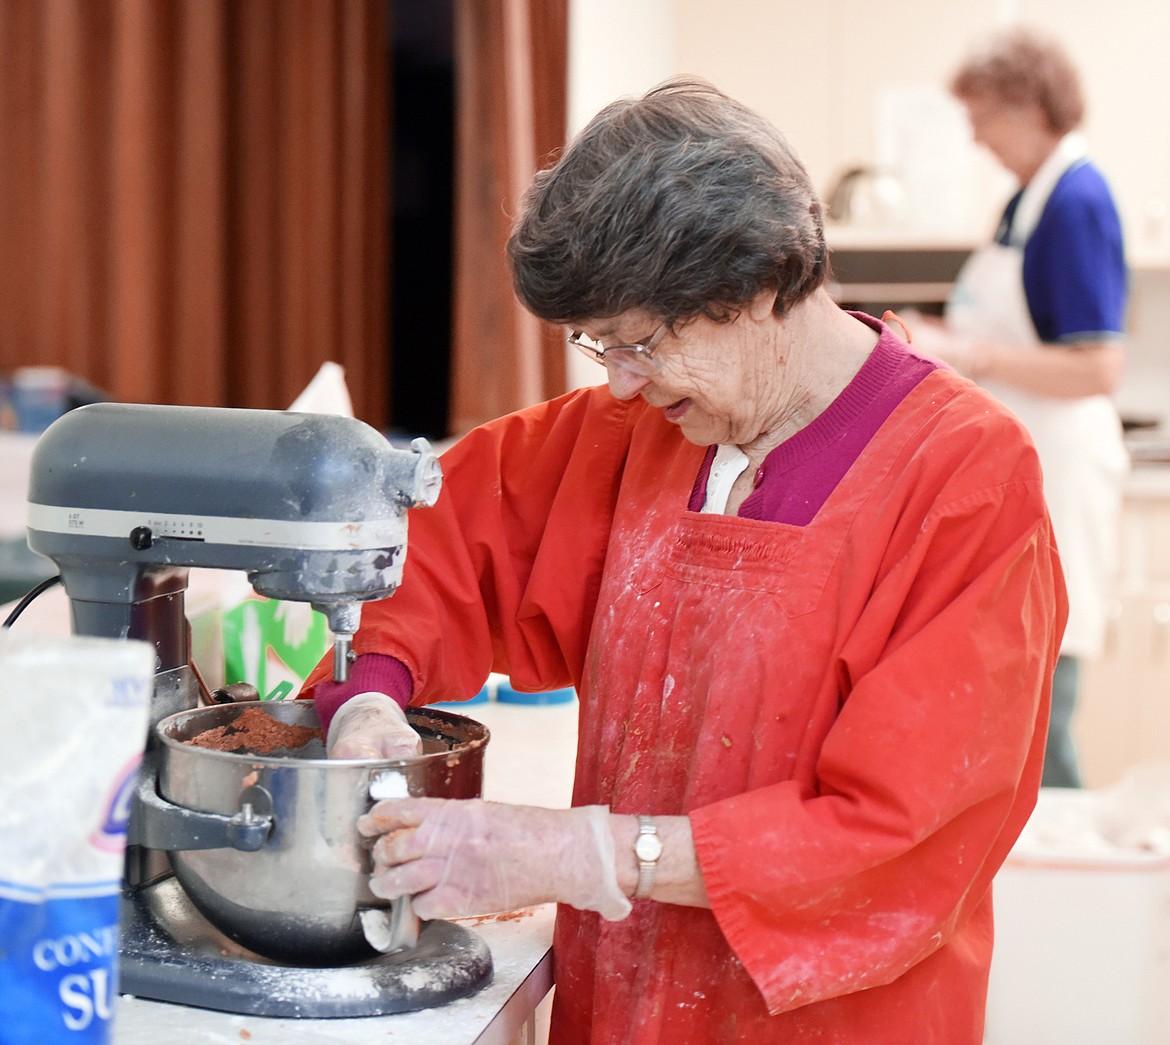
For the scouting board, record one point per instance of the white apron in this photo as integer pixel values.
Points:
(1079, 441)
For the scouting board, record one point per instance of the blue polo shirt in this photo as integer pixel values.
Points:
(1075, 277)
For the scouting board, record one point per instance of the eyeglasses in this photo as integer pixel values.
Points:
(638, 358)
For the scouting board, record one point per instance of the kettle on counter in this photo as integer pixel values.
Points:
(866, 196)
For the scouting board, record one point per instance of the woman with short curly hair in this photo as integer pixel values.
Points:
(1038, 318)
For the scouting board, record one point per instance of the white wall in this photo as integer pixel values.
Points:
(616, 48)
(823, 73)
(858, 82)
(853, 82)
(844, 78)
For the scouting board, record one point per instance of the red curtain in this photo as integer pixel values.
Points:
(194, 196)
(511, 61)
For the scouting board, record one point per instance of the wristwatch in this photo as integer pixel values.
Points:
(647, 848)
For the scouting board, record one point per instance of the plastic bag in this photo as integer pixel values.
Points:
(270, 644)
(75, 713)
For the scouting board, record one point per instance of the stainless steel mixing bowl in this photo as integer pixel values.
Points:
(298, 899)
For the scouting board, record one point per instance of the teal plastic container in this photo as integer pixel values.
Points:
(482, 697)
(505, 694)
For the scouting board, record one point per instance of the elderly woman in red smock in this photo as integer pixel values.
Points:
(803, 581)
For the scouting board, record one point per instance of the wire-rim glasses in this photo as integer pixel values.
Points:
(638, 357)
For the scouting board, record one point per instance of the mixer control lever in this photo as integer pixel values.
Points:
(428, 475)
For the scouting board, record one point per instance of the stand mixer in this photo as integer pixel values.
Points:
(125, 500)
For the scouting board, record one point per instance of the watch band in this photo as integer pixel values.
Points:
(647, 848)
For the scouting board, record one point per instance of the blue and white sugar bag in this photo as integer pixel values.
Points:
(75, 714)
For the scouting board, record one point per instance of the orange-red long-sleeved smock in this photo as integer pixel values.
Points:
(851, 712)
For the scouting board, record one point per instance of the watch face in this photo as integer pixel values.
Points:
(648, 847)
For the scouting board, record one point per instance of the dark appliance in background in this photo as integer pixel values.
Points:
(873, 278)
(422, 166)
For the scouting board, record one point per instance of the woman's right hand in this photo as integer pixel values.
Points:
(930, 336)
(372, 726)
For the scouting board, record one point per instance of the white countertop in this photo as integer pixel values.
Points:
(522, 975)
(896, 237)
(1148, 481)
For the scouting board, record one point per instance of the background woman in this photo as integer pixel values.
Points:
(1038, 317)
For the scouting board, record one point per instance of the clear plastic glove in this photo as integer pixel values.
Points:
(372, 725)
(459, 857)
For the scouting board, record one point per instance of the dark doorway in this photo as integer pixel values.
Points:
(422, 107)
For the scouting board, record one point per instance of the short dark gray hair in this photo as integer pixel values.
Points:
(680, 203)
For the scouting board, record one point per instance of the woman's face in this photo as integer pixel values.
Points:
(1016, 135)
(719, 382)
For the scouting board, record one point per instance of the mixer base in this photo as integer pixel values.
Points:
(170, 952)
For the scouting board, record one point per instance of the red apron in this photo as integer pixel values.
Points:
(844, 709)
(851, 712)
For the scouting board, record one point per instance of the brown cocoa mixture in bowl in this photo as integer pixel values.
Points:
(256, 732)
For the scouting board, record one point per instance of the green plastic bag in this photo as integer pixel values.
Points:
(272, 645)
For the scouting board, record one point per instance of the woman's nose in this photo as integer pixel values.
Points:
(624, 383)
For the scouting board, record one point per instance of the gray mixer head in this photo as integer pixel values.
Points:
(311, 506)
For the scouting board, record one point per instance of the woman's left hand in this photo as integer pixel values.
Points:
(458, 857)
(372, 726)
